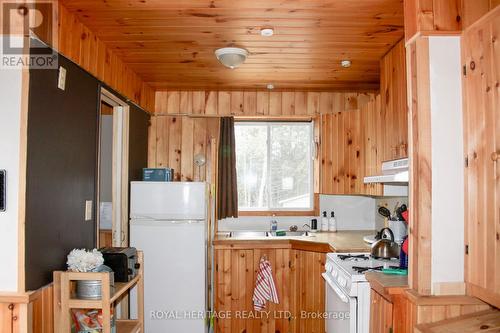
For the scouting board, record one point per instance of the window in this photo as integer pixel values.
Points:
(274, 166)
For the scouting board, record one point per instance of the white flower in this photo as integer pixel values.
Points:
(80, 260)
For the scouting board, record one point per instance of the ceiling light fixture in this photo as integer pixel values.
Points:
(231, 57)
(346, 63)
(270, 86)
(266, 32)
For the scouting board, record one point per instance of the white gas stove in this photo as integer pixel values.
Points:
(348, 292)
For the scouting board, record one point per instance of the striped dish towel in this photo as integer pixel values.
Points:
(265, 289)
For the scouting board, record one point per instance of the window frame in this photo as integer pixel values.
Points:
(307, 211)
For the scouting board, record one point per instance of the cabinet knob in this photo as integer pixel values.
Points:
(495, 156)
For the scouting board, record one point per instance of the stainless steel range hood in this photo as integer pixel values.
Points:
(393, 172)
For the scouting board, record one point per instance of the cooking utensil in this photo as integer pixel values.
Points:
(385, 248)
(384, 211)
(405, 216)
(395, 211)
(399, 212)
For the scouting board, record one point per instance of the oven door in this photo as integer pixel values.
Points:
(341, 309)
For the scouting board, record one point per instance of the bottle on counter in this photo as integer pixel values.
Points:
(314, 225)
(274, 225)
(324, 222)
(332, 223)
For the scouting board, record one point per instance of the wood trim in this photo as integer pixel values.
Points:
(420, 274)
(23, 143)
(432, 33)
(271, 213)
(18, 298)
(124, 202)
(483, 294)
(271, 119)
(421, 300)
(110, 98)
(251, 244)
(221, 244)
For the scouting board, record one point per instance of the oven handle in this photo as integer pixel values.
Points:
(337, 290)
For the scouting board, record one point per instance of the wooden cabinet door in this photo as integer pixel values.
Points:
(350, 150)
(298, 281)
(235, 275)
(372, 150)
(309, 298)
(394, 105)
(482, 150)
(342, 164)
(380, 314)
(234, 283)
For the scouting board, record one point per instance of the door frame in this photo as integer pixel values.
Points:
(121, 115)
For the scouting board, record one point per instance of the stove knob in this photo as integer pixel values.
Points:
(342, 282)
(328, 267)
(335, 273)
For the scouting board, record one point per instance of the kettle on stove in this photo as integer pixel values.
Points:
(385, 248)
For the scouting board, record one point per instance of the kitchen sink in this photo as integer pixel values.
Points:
(260, 234)
(248, 234)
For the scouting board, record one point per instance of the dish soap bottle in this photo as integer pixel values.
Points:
(324, 222)
(332, 223)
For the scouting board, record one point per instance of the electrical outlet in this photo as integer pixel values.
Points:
(61, 81)
(88, 210)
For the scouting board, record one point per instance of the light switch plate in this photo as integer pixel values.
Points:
(88, 210)
(61, 81)
(3, 190)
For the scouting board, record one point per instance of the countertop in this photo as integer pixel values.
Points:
(340, 241)
(386, 283)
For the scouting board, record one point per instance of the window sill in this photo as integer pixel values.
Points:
(278, 213)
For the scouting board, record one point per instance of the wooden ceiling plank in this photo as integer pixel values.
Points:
(170, 44)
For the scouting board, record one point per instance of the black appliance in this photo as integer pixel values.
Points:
(123, 262)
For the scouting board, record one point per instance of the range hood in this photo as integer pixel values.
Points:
(393, 172)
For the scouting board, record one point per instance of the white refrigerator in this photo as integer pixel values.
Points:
(168, 223)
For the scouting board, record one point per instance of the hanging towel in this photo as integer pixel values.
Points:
(265, 289)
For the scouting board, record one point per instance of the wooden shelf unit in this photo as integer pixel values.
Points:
(64, 299)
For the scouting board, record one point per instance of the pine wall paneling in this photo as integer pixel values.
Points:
(177, 139)
(473, 10)
(258, 103)
(42, 310)
(482, 150)
(82, 46)
(186, 121)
